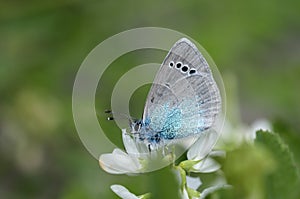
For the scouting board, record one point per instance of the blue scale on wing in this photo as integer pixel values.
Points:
(166, 120)
(200, 104)
(191, 122)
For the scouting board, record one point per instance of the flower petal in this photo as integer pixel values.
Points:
(218, 153)
(203, 145)
(185, 194)
(261, 124)
(123, 192)
(212, 189)
(134, 160)
(119, 163)
(208, 165)
(129, 143)
(133, 147)
(193, 182)
(118, 151)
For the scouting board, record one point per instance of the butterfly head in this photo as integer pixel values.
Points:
(136, 125)
(141, 131)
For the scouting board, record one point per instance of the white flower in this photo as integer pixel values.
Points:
(120, 162)
(122, 192)
(234, 135)
(193, 182)
(201, 152)
(185, 193)
(212, 189)
(136, 159)
(200, 160)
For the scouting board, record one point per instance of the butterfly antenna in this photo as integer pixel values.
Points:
(117, 116)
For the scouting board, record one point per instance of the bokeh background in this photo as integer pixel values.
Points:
(255, 44)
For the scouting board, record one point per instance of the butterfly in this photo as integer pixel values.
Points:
(184, 99)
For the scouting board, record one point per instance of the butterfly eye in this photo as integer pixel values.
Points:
(178, 65)
(171, 64)
(137, 127)
(192, 71)
(184, 68)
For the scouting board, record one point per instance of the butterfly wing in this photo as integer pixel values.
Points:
(184, 99)
(200, 103)
(185, 52)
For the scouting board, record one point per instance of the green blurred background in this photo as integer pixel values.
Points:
(255, 44)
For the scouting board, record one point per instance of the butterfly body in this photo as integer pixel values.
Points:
(184, 99)
(155, 133)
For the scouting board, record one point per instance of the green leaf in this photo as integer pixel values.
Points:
(283, 182)
(290, 135)
(245, 168)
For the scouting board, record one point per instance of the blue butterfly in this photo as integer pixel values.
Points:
(184, 99)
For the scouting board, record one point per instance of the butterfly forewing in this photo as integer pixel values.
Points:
(185, 53)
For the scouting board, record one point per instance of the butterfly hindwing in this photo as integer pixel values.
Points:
(200, 104)
(184, 99)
